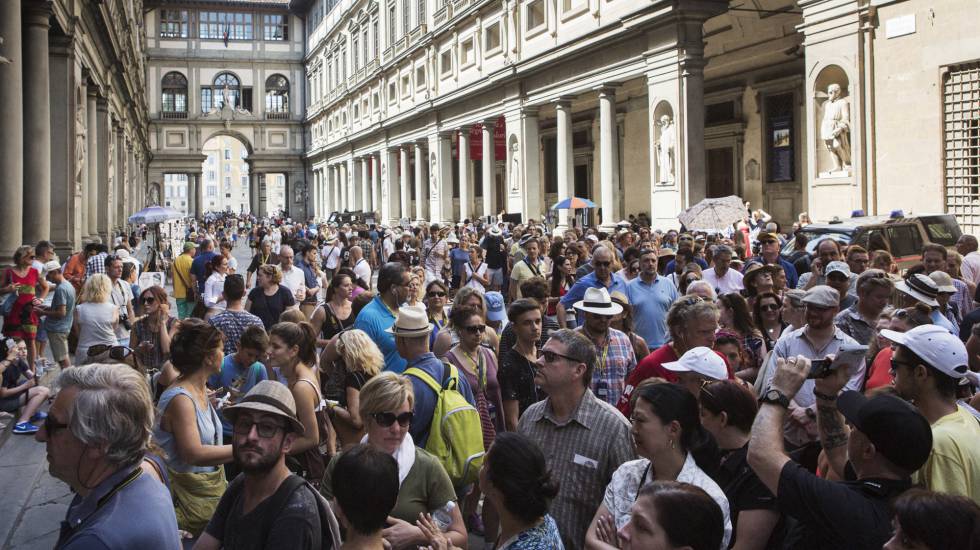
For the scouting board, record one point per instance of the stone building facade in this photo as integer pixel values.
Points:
(445, 110)
(230, 69)
(73, 142)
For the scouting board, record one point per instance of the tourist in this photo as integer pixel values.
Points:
(436, 297)
(183, 289)
(359, 361)
(493, 244)
(475, 271)
(616, 359)
(669, 514)
(623, 322)
(919, 288)
(240, 372)
(721, 277)
(767, 317)
(470, 297)
(96, 435)
(769, 253)
(152, 333)
(529, 266)
(516, 480)
(234, 320)
(20, 390)
(200, 264)
(378, 316)
(269, 299)
(214, 300)
(517, 363)
(364, 507)
(698, 367)
(435, 253)
(293, 278)
(23, 290)
(651, 296)
(859, 321)
(121, 296)
(59, 315)
(263, 256)
(562, 280)
(188, 427)
(880, 373)
(361, 267)
(96, 317)
(584, 438)
(386, 406)
(735, 318)
(334, 315)
(602, 276)
(827, 251)
(924, 519)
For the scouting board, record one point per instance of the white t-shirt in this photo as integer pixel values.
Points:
(363, 271)
(331, 255)
(122, 294)
(293, 279)
(213, 288)
(727, 284)
(481, 270)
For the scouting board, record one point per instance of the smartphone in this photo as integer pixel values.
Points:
(847, 356)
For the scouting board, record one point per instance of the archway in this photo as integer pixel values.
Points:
(225, 175)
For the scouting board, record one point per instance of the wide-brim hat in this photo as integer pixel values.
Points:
(920, 287)
(598, 301)
(410, 322)
(943, 281)
(752, 271)
(270, 398)
(494, 230)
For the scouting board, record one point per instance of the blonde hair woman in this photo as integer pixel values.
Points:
(95, 316)
(269, 299)
(387, 401)
(360, 361)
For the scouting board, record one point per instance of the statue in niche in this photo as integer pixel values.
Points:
(515, 167)
(512, 26)
(112, 167)
(384, 181)
(80, 139)
(665, 150)
(226, 96)
(433, 177)
(154, 195)
(835, 128)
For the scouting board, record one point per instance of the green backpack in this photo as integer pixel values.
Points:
(456, 435)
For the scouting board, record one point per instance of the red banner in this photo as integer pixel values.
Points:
(476, 141)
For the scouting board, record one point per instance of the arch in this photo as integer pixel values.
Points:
(173, 98)
(277, 94)
(234, 86)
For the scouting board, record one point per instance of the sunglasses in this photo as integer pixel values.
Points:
(704, 387)
(551, 357)
(475, 329)
(386, 419)
(437, 295)
(265, 429)
(768, 241)
(118, 353)
(51, 425)
(149, 300)
(769, 307)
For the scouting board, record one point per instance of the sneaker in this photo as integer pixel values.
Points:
(38, 416)
(25, 428)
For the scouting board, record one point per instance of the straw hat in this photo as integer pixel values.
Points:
(411, 322)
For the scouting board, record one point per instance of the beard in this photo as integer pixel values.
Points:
(251, 464)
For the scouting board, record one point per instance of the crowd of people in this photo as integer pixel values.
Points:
(425, 386)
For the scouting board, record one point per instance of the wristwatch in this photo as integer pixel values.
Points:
(775, 397)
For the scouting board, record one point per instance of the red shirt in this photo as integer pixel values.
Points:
(880, 374)
(652, 366)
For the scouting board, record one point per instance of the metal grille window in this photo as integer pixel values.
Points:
(174, 98)
(961, 129)
(277, 94)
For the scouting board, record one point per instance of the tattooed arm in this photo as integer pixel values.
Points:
(830, 423)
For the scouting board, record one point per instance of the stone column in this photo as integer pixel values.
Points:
(65, 204)
(375, 160)
(37, 123)
(365, 203)
(92, 201)
(335, 177)
(465, 196)
(103, 128)
(421, 197)
(489, 169)
(565, 172)
(11, 131)
(120, 192)
(607, 154)
(404, 180)
(523, 178)
(253, 190)
(191, 203)
(342, 169)
(198, 198)
(442, 179)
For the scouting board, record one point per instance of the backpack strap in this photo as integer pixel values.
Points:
(450, 379)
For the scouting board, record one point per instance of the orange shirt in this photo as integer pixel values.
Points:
(75, 270)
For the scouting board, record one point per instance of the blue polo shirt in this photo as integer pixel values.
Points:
(89, 526)
(425, 397)
(577, 292)
(650, 302)
(199, 268)
(375, 319)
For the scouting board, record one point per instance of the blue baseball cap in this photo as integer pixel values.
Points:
(495, 306)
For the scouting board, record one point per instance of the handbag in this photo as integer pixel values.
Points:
(191, 295)
(196, 496)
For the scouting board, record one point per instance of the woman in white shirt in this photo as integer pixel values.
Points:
(475, 271)
(668, 435)
(96, 316)
(214, 286)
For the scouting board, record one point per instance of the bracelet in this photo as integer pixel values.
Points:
(824, 397)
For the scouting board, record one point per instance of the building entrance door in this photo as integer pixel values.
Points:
(719, 168)
(583, 189)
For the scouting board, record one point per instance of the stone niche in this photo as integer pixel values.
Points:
(834, 123)
(665, 144)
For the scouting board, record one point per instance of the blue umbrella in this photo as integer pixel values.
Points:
(155, 214)
(573, 203)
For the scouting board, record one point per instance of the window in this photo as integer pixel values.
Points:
(225, 26)
(212, 191)
(275, 27)
(491, 37)
(244, 181)
(780, 137)
(374, 37)
(211, 175)
(173, 24)
(226, 81)
(276, 94)
(392, 23)
(227, 168)
(406, 16)
(420, 76)
(446, 62)
(355, 50)
(365, 56)
(467, 52)
(961, 143)
(227, 154)
(534, 14)
(210, 160)
(174, 87)
(406, 85)
(421, 12)
(392, 92)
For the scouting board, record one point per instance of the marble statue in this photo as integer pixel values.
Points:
(835, 128)
(384, 181)
(433, 177)
(226, 95)
(512, 25)
(80, 139)
(665, 150)
(515, 167)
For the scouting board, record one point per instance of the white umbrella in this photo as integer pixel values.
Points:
(155, 214)
(713, 214)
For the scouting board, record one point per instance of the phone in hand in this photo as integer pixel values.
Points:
(847, 357)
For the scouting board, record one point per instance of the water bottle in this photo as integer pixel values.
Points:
(443, 517)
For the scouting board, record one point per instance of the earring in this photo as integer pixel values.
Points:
(671, 443)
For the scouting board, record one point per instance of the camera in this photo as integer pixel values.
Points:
(124, 321)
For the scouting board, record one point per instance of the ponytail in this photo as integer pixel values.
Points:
(302, 335)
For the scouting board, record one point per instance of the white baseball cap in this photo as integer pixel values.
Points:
(702, 360)
(938, 348)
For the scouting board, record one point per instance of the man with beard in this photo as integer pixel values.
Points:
(266, 506)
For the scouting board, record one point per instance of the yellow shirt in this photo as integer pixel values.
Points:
(954, 464)
(182, 268)
(522, 272)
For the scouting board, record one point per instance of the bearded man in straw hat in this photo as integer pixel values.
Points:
(411, 331)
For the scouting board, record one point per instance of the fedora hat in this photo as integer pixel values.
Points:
(920, 287)
(598, 301)
(270, 398)
(410, 322)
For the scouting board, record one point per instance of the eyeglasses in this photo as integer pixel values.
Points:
(118, 353)
(705, 382)
(551, 357)
(243, 426)
(386, 419)
(769, 307)
(51, 425)
(149, 300)
(768, 241)
(475, 329)
(896, 363)
(437, 295)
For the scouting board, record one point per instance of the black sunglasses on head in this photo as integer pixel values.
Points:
(386, 419)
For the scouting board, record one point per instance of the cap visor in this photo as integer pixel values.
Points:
(897, 337)
(675, 366)
(849, 404)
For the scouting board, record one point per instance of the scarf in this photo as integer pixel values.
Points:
(404, 455)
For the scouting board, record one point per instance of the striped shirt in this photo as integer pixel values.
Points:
(582, 452)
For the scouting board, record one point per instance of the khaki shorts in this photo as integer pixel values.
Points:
(58, 342)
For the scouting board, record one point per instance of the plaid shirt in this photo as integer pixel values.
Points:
(95, 264)
(614, 363)
(232, 324)
(582, 453)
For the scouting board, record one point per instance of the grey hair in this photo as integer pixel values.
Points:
(579, 347)
(691, 288)
(113, 410)
(286, 248)
(722, 249)
(685, 310)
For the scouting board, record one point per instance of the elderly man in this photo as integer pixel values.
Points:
(966, 245)
(293, 277)
(96, 433)
(616, 358)
(651, 295)
(769, 254)
(827, 251)
(721, 277)
(602, 276)
(362, 268)
(265, 425)
(860, 320)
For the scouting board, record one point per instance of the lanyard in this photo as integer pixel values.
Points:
(67, 530)
(604, 356)
(478, 365)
